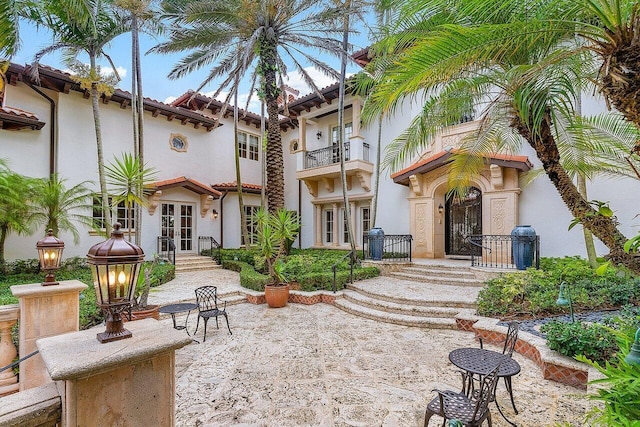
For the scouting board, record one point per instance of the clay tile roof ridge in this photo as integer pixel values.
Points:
(18, 112)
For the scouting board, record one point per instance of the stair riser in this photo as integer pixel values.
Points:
(189, 269)
(441, 273)
(414, 313)
(451, 304)
(437, 281)
(398, 322)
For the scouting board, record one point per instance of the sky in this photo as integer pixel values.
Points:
(156, 67)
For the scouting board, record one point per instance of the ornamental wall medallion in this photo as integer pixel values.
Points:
(178, 142)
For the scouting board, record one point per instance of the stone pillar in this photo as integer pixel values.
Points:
(336, 229)
(126, 382)
(318, 225)
(45, 311)
(8, 319)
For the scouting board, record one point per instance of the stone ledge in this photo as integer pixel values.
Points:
(34, 407)
(297, 297)
(554, 366)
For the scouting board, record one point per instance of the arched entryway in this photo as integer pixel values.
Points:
(463, 217)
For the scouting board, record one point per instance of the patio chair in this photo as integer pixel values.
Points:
(207, 300)
(470, 411)
(509, 345)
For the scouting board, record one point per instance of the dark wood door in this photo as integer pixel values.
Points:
(463, 217)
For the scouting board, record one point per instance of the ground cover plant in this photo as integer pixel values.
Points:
(310, 268)
(28, 271)
(533, 293)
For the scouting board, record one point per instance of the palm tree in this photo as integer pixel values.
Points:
(15, 191)
(128, 179)
(464, 55)
(87, 28)
(58, 208)
(257, 35)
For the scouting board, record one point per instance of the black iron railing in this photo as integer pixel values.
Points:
(208, 246)
(353, 259)
(325, 156)
(395, 247)
(506, 251)
(17, 362)
(166, 249)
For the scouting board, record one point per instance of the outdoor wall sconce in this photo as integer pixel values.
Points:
(564, 298)
(50, 252)
(440, 209)
(115, 265)
(214, 214)
(319, 134)
(633, 358)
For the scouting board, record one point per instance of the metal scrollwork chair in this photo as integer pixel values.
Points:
(509, 345)
(470, 411)
(207, 300)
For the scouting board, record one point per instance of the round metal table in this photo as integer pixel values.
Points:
(480, 362)
(174, 309)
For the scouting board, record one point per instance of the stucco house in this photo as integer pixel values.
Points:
(49, 128)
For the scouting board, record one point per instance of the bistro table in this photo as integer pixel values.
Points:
(478, 361)
(174, 309)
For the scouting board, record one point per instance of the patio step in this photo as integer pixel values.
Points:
(395, 318)
(402, 308)
(194, 263)
(435, 298)
(439, 275)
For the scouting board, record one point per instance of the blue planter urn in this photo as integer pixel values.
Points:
(376, 243)
(523, 239)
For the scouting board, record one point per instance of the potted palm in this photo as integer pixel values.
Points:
(274, 229)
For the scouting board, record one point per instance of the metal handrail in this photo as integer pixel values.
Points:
(325, 156)
(209, 243)
(170, 249)
(17, 362)
(353, 259)
(498, 250)
(398, 243)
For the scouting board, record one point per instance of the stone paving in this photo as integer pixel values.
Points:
(319, 366)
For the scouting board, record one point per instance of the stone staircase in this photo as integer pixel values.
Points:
(426, 296)
(194, 263)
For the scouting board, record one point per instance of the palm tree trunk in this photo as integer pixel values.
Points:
(341, 135)
(243, 214)
(604, 228)
(376, 185)
(275, 164)
(106, 209)
(263, 159)
(135, 34)
(3, 238)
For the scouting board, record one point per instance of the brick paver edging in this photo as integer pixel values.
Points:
(297, 297)
(554, 366)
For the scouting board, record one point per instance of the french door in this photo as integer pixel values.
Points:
(177, 223)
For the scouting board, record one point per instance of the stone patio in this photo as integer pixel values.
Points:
(319, 366)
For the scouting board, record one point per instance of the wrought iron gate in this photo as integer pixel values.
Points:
(463, 218)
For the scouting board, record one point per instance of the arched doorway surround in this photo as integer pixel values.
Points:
(463, 217)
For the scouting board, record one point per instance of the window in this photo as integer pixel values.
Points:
(328, 226)
(348, 130)
(250, 213)
(248, 146)
(118, 214)
(365, 217)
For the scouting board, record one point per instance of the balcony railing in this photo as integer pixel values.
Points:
(498, 251)
(331, 155)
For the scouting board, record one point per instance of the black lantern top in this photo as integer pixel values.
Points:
(49, 251)
(115, 250)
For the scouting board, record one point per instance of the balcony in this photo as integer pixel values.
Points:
(322, 166)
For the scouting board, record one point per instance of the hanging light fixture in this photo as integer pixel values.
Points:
(115, 265)
(50, 252)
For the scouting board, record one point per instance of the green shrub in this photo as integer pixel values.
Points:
(249, 277)
(244, 255)
(161, 273)
(535, 292)
(593, 341)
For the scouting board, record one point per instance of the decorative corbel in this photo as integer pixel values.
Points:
(312, 186)
(154, 200)
(416, 184)
(328, 184)
(496, 176)
(365, 180)
(205, 204)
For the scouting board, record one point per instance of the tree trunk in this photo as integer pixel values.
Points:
(243, 214)
(106, 208)
(376, 184)
(275, 164)
(3, 238)
(604, 228)
(135, 35)
(341, 145)
(263, 158)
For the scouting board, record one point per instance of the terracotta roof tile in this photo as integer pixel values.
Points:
(18, 112)
(188, 183)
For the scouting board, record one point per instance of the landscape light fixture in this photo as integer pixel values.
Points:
(50, 252)
(633, 358)
(319, 134)
(564, 298)
(115, 265)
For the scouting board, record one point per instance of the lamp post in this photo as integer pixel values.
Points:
(50, 252)
(115, 265)
(633, 358)
(564, 298)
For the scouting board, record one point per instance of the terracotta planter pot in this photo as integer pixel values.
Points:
(150, 312)
(276, 295)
